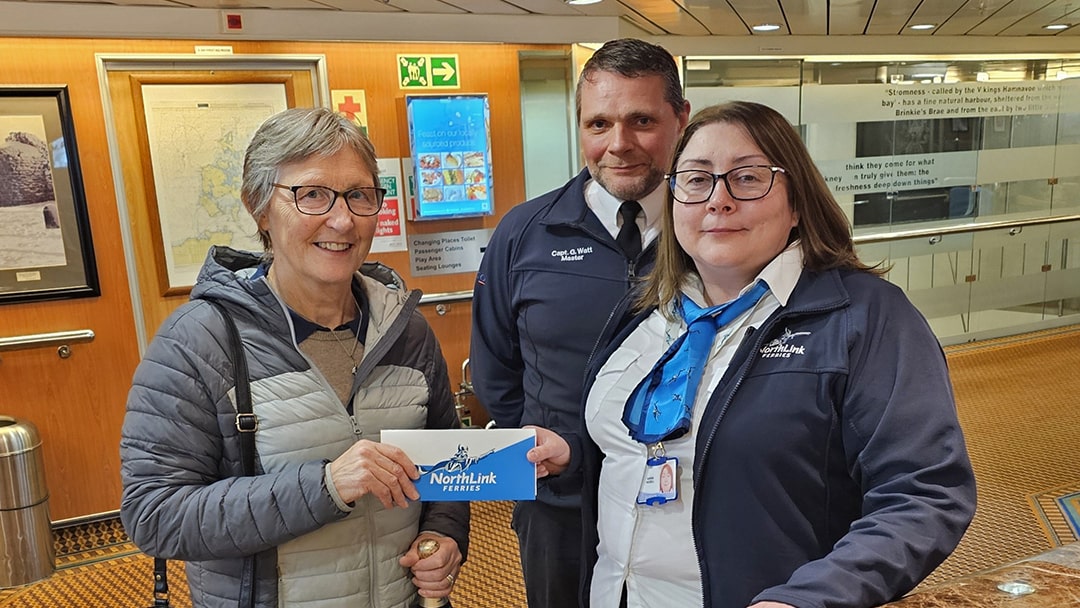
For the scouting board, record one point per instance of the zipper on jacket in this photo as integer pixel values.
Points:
(373, 561)
(760, 332)
(357, 431)
(374, 355)
(757, 341)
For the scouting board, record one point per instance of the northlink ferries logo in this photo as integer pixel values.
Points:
(453, 473)
(781, 348)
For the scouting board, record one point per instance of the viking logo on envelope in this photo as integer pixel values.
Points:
(470, 464)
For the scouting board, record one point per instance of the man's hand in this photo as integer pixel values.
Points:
(551, 454)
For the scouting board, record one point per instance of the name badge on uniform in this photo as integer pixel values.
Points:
(660, 483)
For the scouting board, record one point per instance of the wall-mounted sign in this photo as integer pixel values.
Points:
(351, 104)
(451, 155)
(390, 229)
(447, 252)
(428, 72)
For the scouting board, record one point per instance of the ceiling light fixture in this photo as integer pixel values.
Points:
(766, 27)
(923, 26)
(1056, 26)
(581, 2)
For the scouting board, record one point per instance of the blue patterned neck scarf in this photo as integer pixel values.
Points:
(661, 406)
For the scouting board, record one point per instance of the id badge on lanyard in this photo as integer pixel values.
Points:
(661, 481)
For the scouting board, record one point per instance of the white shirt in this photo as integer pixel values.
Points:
(606, 207)
(651, 548)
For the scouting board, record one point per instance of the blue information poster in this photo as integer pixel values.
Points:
(451, 154)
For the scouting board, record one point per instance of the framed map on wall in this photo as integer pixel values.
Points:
(196, 135)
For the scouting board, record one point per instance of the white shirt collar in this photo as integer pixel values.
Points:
(606, 207)
(781, 275)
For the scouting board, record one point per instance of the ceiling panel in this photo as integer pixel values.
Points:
(611, 8)
(756, 12)
(891, 17)
(488, 7)
(967, 17)
(1006, 16)
(807, 17)
(934, 12)
(718, 17)
(546, 7)
(273, 4)
(849, 17)
(667, 15)
(703, 18)
(372, 6)
(421, 6)
(1033, 24)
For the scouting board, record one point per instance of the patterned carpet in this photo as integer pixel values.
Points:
(1017, 399)
(97, 567)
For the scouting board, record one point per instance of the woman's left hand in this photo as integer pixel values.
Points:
(435, 575)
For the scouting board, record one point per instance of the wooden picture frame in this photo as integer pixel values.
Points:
(46, 251)
(192, 164)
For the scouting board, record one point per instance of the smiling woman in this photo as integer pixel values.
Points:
(770, 368)
(336, 348)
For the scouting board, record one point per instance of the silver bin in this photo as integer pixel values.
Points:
(26, 540)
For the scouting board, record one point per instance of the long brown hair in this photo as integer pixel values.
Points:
(824, 230)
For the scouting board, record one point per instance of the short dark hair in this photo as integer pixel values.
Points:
(633, 58)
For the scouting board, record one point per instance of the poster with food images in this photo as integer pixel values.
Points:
(451, 154)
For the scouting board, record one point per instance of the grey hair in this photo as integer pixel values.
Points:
(293, 136)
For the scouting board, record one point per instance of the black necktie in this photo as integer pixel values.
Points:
(629, 238)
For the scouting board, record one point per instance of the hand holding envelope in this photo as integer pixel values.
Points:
(375, 468)
(551, 454)
(469, 464)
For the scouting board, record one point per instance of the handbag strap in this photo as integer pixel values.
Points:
(246, 425)
(246, 422)
(161, 583)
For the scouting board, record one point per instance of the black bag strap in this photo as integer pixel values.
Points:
(246, 425)
(161, 584)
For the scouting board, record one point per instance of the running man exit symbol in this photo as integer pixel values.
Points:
(428, 71)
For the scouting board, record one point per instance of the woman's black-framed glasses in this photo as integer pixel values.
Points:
(748, 183)
(318, 200)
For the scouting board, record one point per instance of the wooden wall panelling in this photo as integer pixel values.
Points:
(78, 403)
(452, 327)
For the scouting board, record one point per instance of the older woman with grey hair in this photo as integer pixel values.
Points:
(336, 351)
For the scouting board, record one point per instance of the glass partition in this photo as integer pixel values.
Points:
(933, 147)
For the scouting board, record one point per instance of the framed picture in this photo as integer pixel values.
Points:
(45, 247)
(195, 134)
